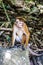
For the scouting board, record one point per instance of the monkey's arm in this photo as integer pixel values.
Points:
(13, 36)
(27, 35)
(27, 39)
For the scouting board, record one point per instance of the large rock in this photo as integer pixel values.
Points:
(13, 57)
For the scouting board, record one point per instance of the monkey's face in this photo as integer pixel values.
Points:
(19, 23)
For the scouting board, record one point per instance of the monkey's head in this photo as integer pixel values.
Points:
(20, 21)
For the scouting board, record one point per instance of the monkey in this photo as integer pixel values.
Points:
(20, 32)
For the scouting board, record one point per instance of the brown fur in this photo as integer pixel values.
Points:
(28, 35)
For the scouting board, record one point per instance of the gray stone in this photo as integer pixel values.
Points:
(13, 56)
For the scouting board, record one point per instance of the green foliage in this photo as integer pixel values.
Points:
(0, 1)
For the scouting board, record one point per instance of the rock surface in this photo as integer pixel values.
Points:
(13, 57)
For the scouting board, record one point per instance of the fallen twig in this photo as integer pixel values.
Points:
(6, 29)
